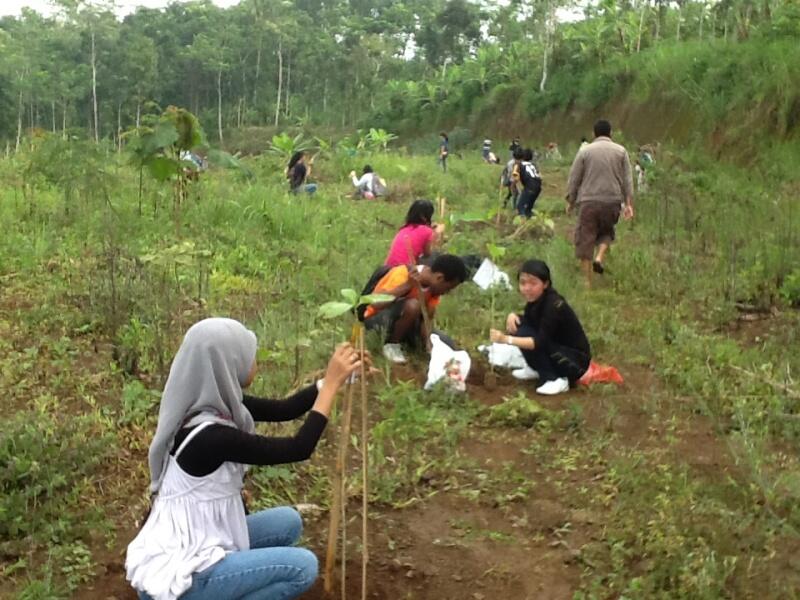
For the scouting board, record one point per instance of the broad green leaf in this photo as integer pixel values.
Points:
(375, 298)
(350, 295)
(495, 251)
(223, 159)
(331, 310)
(162, 168)
(163, 136)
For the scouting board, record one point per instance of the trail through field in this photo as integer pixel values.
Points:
(524, 508)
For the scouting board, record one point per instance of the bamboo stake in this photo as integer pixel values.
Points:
(338, 514)
(343, 448)
(364, 464)
(335, 512)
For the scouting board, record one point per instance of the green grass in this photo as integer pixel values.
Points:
(95, 299)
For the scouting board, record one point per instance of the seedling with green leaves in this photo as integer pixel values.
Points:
(331, 310)
(495, 254)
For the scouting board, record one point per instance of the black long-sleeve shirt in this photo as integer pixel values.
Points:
(555, 322)
(217, 444)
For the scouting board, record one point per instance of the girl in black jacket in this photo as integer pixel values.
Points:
(548, 332)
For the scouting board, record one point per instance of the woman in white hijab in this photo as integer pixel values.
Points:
(197, 541)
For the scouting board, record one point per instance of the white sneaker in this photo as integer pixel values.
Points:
(525, 373)
(553, 387)
(394, 353)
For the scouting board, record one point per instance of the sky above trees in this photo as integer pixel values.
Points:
(124, 7)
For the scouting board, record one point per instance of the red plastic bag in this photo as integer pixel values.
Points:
(597, 373)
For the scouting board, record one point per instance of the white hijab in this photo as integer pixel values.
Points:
(204, 384)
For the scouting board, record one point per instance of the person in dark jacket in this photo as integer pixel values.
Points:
(444, 149)
(548, 332)
(297, 172)
(531, 183)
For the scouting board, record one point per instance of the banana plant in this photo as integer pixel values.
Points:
(285, 145)
(380, 138)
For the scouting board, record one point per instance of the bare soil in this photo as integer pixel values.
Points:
(448, 546)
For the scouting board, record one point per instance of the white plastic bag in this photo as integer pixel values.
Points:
(503, 355)
(448, 364)
(488, 275)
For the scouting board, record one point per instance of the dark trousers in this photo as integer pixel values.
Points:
(552, 361)
(513, 195)
(384, 321)
(527, 199)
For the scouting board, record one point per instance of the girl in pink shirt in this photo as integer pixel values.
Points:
(417, 232)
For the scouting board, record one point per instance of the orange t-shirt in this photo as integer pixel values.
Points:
(394, 278)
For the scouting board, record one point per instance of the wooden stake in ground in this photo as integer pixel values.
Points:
(336, 501)
(364, 465)
(338, 510)
(500, 206)
(344, 446)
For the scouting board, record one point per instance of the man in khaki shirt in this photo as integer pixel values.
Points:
(601, 185)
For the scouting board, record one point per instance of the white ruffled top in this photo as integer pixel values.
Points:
(194, 523)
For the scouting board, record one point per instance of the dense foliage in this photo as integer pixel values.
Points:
(265, 62)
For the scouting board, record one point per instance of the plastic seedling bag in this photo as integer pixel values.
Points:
(503, 355)
(447, 364)
(489, 274)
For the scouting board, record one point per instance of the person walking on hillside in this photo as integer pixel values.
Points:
(600, 185)
(510, 179)
(444, 150)
(531, 183)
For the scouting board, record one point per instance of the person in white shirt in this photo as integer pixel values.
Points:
(369, 185)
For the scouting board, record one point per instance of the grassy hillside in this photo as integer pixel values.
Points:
(739, 101)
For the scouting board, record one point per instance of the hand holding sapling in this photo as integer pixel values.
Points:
(344, 361)
(497, 336)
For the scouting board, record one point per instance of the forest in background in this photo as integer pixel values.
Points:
(410, 66)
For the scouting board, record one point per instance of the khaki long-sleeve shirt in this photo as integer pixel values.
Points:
(601, 172)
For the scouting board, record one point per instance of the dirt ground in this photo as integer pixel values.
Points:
(449, 547)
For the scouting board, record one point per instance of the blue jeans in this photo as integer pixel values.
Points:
(271, 570)
(308, 188)
(527, 199)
